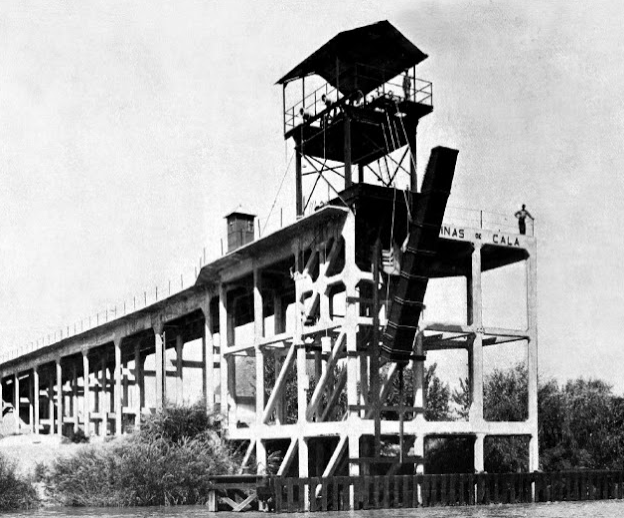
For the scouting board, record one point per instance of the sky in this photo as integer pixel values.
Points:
(129, 129)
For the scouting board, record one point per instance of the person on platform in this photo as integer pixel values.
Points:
(328, 106)
(522, 215)
(304, 115)
(407, 86)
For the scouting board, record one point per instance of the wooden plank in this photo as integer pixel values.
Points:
(324, 491)
(345, 490)
(461, 489)
(406, 501)
(290, 504)
(335, 505)
(425, 490)
(278, 487)
(301, 494)
(314, 482)
(386, 492)
(376, 495)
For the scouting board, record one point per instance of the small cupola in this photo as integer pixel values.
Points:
(240, 228)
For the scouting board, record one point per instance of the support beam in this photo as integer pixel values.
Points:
(139, 383)
(531, 274)
(280, 383)
(208, 360)
(476, 368)
(59, 397)
(259, 353)
(51, 405)
(86, 409)
(16, 399)
(104, 401)
(298, 183)
(288, 458)
(74, 396)
(223, 344)
(347, 150)
(117, 392)
(35, 379)
(479, 465)
(160, 365)
(179, 369)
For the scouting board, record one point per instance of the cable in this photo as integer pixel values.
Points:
(278, 191)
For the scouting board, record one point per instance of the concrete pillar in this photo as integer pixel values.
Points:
(31, 404)
(104, 402)
(35, 378)
(59, 397)
(86, 409)
(478, 453)
(350, 327)
(51, 406)
(223, 345)
(160, 366)
(117, 391)
(16, 401)
(179, 369)
(259, 353)
(74, 396)
(208, 377)
(476, 368)
(531, 273)
(139, 390)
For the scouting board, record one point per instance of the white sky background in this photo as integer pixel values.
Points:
(129, 129)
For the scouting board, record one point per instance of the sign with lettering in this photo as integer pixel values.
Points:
(485, 236)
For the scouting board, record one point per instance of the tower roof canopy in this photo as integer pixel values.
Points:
(360, 59)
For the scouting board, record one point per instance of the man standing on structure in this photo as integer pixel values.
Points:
(522, 214)
(407, 86)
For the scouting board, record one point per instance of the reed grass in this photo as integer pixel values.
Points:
(16, 492)
(168, 462)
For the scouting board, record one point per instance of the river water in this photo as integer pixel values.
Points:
(595, 509)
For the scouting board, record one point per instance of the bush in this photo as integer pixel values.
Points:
(168, 462)
(15, 491)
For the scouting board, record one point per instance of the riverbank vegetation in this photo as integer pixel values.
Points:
(581, 424)
(167, 462)
(16, 491)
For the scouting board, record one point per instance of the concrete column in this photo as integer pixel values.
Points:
(259, 353)
(179, 369)
(51, 406)
(31, 404)
(35, 378)
(117, 391)
(16, 399)
(223, 345)
(59, 397)
(531, 273)
(350, 327)
(74, 397)
(208, 360)
(86, 402)
(139, 390)
(478, 453)
(160, 366)
(476, 382)
(104, 402)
